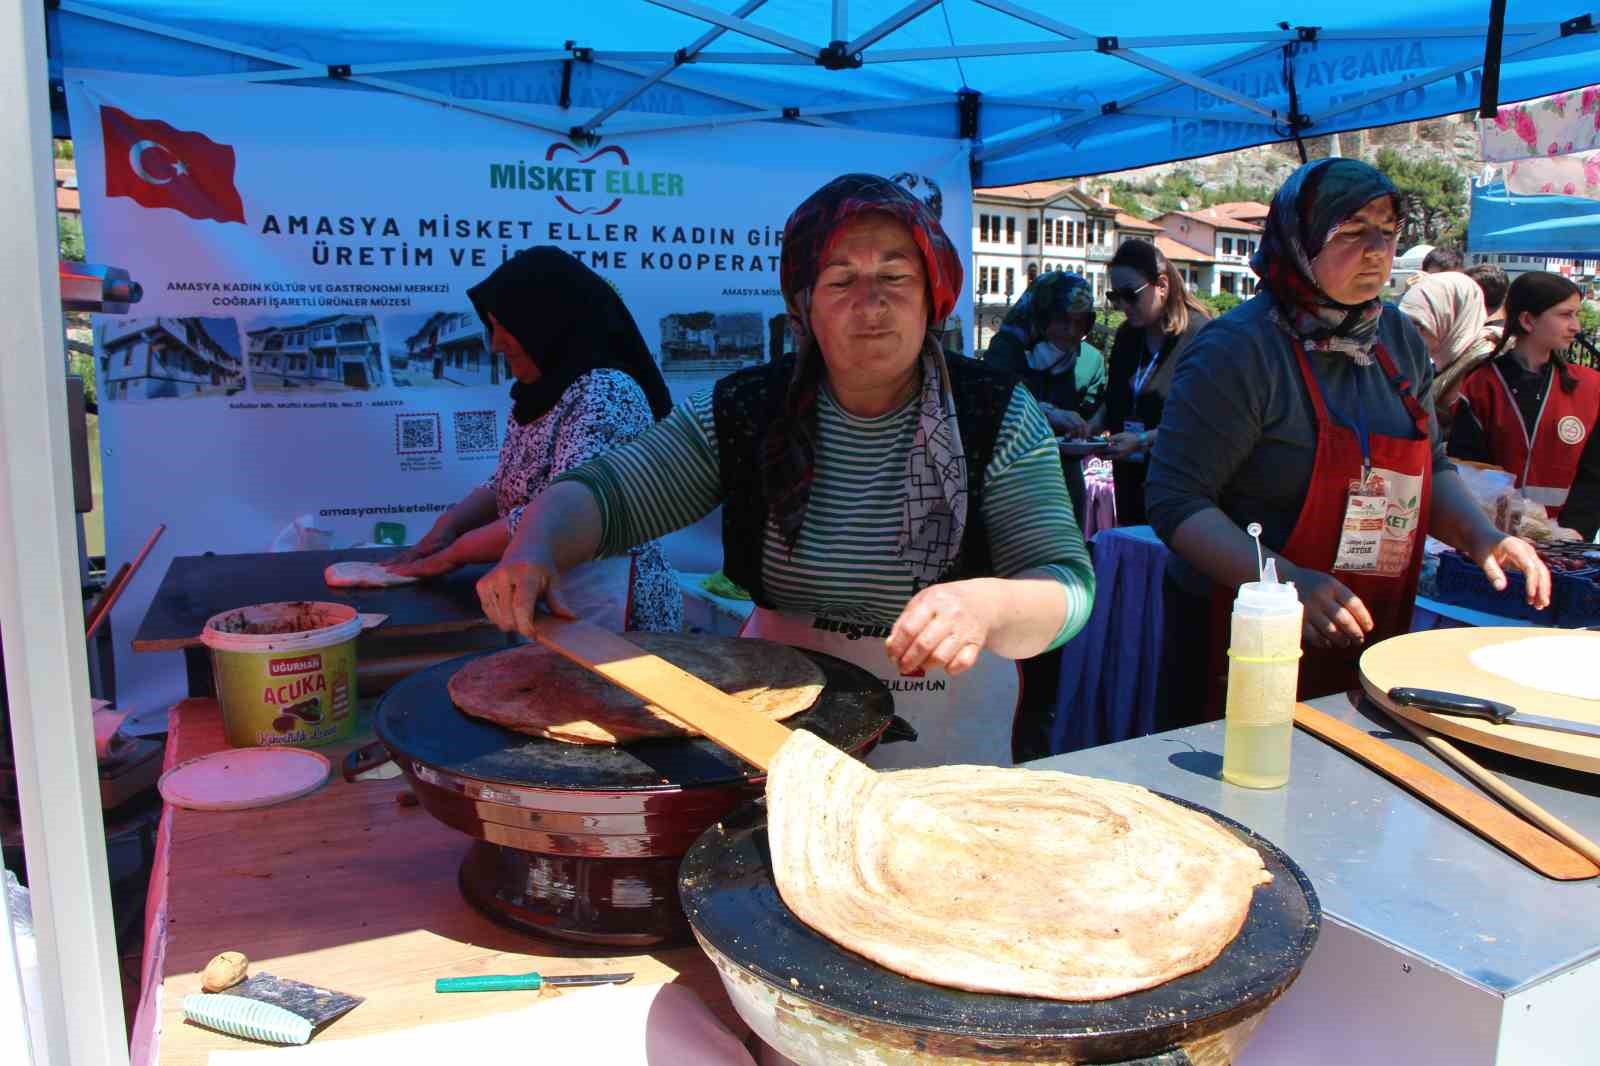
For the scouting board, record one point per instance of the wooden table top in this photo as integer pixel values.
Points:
(349, 890)
(198, 586)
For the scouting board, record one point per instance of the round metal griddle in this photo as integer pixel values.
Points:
(824, 999)
(583, 841)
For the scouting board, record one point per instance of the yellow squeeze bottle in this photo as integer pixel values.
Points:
(1263, 672)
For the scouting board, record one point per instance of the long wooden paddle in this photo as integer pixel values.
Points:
(1489, 820)
(720, 717)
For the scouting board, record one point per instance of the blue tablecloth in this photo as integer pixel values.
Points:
(1111, 670)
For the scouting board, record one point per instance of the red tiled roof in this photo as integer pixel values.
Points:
(1127, 221)
(1243, 210)
(1179, 252)
(1211, 217)
(1028, 190)
(67, 200)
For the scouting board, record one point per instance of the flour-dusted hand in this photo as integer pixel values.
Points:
(511, 594)
(945, 626)
(1519, 555)
(436, 565)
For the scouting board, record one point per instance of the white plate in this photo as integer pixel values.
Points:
(240, 778)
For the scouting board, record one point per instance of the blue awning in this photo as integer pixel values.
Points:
(1565, 227)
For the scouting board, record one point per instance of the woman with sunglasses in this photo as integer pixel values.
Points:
(1306, 409)
(1162, 320)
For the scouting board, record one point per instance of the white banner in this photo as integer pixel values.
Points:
(305, 347)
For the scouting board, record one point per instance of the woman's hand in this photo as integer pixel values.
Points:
(1068, 424)
(512, 591)
(435, 565)
(1518, 554)
(1335, 617)
(436, 540)
(1123, 445)
(945, 626)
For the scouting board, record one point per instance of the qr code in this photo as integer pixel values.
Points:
(416, 434)
(477, 432)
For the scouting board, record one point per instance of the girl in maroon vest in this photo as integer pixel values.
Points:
(1532, 412)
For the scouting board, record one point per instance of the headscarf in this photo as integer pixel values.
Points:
(934, 514)
(1313, 202)
(1450, 307)
(1055, 292)
(570, 321)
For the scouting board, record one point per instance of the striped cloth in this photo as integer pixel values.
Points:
(845, 564)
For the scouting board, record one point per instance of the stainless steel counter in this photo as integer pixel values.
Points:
(1437, 946)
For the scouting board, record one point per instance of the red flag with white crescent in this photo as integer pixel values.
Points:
(157, 165)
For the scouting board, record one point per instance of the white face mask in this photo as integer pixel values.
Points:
(1046, 356)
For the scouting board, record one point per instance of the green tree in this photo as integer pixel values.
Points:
(1221, 303)
(69, 234)
(1433, 199)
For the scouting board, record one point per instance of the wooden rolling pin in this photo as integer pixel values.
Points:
(1524, 842)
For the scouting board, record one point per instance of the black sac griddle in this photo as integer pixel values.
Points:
(817, 1002)
(583, 842)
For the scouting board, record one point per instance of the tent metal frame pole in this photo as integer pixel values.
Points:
(1194, 81)
(840, 24)
(914, 10)
(1015, 145)
(41, 612)
(1550, 35)
(743, 27)
(679, 58)
(715, 94)
(645, 125)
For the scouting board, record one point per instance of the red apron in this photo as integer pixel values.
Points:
(1405, 467)
(1546, 465)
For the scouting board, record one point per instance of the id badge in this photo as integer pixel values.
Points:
(1366, 510)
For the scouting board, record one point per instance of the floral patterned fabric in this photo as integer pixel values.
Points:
(1562, 124)
(601, 410)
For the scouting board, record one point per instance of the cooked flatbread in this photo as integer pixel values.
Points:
(355, 575)
(1025, 882)
(531, 689)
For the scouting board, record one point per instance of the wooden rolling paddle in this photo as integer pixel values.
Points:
(752, 737)
(1522, 841)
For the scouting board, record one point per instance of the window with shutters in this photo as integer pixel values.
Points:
(1011, 281)
(1011, 230)
(983, 227)
(1033, 231)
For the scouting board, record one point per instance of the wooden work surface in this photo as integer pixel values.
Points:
(1441, 659)
(198, 586)
(349, 890)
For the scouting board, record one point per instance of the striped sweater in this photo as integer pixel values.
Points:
(845, 563)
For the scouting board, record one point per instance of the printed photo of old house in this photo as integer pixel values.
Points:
(442, 350)
(705, 340)
(165, 358)
(332, 352)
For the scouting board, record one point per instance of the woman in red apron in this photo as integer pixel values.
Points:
(1303, 409)
(1528, 410)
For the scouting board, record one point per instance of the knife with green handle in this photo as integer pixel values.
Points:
(1453, 703)
(526, 982)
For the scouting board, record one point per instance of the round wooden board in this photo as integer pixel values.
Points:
(236, 779)
(1440, 659)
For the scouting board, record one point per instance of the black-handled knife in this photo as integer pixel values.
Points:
(1453, 703)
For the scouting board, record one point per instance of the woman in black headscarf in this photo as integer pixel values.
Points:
(1306, 410)
(585, 383)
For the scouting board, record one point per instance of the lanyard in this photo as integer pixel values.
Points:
(1358, 423)
(1144, 371)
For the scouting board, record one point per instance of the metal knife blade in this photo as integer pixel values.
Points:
(1454, 703)
(590, 979)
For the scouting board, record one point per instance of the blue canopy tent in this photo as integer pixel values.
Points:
(1037, 91)
(1565, 227)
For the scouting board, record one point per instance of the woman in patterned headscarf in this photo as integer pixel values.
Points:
(868, 482)
(1042, 342)
(1306, 410)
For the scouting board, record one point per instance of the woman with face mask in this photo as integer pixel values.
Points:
(585, 384)
(1305, 409)
(1162, 321)
(1042, 342)
(1531, 411)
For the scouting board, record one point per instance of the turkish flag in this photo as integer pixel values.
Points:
(156, 165)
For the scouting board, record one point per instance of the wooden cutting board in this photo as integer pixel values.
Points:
(1441, 659)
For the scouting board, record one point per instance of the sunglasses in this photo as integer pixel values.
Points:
(1125, 295)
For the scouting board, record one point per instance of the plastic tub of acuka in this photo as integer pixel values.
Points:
(285, 672)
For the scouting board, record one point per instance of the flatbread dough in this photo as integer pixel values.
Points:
(1564, 664)
(1025, 882)
(356, 575)
(531, 689)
